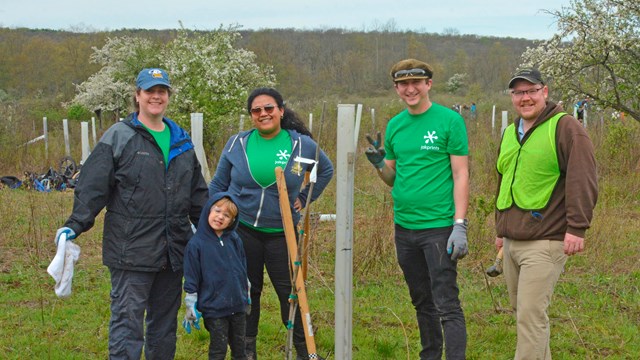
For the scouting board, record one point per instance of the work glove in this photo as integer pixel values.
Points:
(192, 315)
(457, 244)
(65, 230)
(248, 308)
(375, 153)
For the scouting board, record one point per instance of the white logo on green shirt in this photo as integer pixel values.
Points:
(431, 137)
(283, 155)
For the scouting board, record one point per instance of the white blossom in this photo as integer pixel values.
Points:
(208, 74)
(596, 54)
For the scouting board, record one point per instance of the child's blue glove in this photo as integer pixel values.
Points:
(192, 315)
(248, 310)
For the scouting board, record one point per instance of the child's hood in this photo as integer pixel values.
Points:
(203, 223)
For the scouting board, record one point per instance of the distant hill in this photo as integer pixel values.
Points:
(46, 63)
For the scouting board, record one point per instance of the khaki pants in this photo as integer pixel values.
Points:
(531, 270)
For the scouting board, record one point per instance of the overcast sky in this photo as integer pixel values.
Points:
(525, 19)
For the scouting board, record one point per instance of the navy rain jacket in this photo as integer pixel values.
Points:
(216, 267)
(150, 206)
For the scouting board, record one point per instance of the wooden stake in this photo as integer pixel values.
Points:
(300, 295)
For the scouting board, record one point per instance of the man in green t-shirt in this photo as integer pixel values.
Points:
(426, 164)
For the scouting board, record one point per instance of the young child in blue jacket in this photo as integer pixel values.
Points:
(215, 278)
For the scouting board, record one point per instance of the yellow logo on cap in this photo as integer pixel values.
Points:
(156, 73)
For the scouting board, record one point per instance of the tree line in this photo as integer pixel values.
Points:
(595, 54)
(45, 64)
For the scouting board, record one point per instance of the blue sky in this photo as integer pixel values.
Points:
(487, 18)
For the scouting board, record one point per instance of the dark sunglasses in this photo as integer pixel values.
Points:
(258, 110)
(411, 72)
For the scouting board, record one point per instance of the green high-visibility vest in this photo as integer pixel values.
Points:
(529, 171)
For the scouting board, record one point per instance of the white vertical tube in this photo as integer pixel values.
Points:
(45, 132)
(493, 120)
(357, 128)
(345, 171)
(196, 138)
(373, 122)
(584, 117)
(93, 130)
(311, 123)
(505, 121)
(84, 135)
(65, 129)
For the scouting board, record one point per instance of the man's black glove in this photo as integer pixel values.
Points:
(375, 153)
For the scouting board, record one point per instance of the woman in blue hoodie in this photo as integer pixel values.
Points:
(247, 170)
(215, 278)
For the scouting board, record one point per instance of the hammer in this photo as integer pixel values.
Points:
(496, 269)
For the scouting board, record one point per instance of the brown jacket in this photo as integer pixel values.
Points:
(570, 208)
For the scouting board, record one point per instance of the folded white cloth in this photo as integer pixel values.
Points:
(61, 267)
(313, 177)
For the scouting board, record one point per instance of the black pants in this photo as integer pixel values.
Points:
(431, 277)
(140, 298)
(270, 251)
(223, 331)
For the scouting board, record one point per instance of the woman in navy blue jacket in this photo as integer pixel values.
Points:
(145, 172)
(247, 170)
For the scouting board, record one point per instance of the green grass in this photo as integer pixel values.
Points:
(595, 313)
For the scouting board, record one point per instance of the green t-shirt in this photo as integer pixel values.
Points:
(421, 145)
(266, 154)
(163, 138)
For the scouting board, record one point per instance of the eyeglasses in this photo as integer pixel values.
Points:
(267, 108)
(411, 72)
(518, 94)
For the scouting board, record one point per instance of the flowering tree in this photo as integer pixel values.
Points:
(595, 54)
(101, 93)
(208, 74)
(110, 89)
(456, 82)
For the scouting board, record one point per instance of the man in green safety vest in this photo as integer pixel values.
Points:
(546, 195)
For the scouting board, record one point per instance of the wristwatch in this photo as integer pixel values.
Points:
(462, 221)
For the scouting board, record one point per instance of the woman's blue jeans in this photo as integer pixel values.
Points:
(431, 275)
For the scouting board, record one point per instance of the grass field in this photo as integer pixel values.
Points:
(595, 312)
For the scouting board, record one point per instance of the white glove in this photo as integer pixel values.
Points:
(192, 315)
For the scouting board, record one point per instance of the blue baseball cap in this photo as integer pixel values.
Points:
(148, 78)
